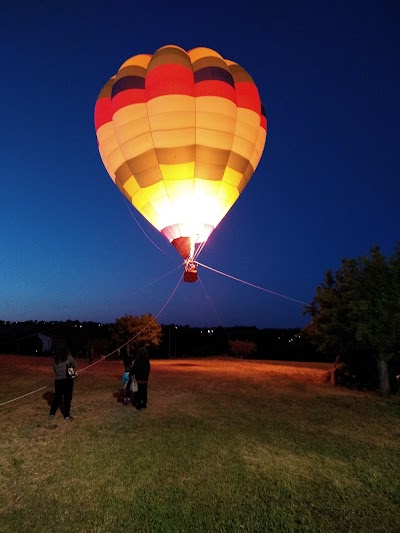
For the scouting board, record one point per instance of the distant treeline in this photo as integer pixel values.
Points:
(177, 341)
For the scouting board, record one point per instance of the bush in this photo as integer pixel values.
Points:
(242, 349)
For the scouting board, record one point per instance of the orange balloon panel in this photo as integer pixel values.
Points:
(180, 134)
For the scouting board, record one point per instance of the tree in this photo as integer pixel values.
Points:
(376, 313)
(242, 348)
(140, 331)
(358, 308)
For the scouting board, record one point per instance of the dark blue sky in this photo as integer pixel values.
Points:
(327, 185)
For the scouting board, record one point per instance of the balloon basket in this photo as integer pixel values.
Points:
(190, 274)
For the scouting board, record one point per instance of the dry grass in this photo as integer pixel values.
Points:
(225, 445)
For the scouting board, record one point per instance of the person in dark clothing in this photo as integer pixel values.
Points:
(63, 384)
(141, 370)
(127, 358)
(91, 354)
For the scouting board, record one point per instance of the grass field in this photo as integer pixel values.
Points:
(224, 445)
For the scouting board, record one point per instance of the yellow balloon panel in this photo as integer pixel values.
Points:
(172, 121)
(213, 172)
(213, 138)
(258, 149)
(107, 165)
(215, 104)
(178, 172)
(171, 103)
(227, 196)
(143, 205)
(232, 177)
(247, 125)
(202, 51)
(149, 177)
(222, 123)
(131, 186)
(160, 201)
(109, 147)
(242, 147)
(175, 138)
(132, 129)
(179, 191)
(138, 146)
(141, 60)
(129, 113)
(206, 205)
(115, 159)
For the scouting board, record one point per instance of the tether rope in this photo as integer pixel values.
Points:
(128, 205)
(199, 250)
(23, 396)
(156, 280)
(137, 334)
(253, 285)
(108, 355)
(209, 300)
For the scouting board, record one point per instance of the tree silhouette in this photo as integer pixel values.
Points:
(136, 332)
(358, 308)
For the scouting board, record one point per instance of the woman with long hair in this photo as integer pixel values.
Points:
(63, 383)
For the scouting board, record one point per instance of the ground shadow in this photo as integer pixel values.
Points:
(49, 397)
(121, 397)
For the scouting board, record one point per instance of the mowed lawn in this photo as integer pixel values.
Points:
(224, 445)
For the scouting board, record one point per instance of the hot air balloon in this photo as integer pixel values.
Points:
(181, 133)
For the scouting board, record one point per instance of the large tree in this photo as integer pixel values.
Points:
(358, 308)
(137, 331)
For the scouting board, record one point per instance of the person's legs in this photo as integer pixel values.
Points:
(58, 392)
(128, 393)
(139, 396)
(68, 390)
(144, 397)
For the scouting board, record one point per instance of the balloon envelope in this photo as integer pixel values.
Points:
(181, 133)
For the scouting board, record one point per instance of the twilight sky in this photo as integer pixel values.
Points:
(327, 186)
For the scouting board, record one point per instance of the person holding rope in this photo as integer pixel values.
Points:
(63, 383)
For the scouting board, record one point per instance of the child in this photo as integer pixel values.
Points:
(126, 383)
(131, 387)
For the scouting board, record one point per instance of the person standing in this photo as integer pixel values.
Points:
(63, 384)
(91, 354)
(127, 358)
(141, 371)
